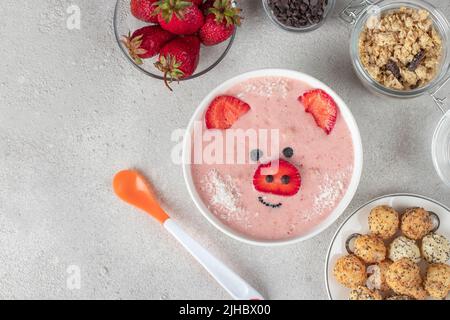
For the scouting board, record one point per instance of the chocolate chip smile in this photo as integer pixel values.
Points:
(268, 204)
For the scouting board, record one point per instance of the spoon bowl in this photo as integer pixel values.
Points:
(134, 189)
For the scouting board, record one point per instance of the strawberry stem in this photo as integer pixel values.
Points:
(168, 8)
(134, 47)
(171, 69)
(166, 82)
(224, 10)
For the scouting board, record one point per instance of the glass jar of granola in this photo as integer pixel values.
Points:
(402, 49)
(399, 48)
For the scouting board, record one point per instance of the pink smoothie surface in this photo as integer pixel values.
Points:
(325, 163)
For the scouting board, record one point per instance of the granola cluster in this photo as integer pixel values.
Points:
(401, 49)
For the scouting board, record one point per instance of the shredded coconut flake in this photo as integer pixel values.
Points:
(266, 87)
(225, 197)
(330, 193)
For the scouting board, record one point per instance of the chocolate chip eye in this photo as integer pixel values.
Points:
(285, 179)
(256, 154)
(288, 152)
(269, 178)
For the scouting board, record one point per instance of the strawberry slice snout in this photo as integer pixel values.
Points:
(278, 177)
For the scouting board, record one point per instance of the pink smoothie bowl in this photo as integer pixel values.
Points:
(344, 112)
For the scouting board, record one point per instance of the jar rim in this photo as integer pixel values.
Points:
(442, 26)
(440, 148)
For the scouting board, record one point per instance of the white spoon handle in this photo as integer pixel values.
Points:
(230, 281)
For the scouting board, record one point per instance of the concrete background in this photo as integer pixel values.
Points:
(73, 112)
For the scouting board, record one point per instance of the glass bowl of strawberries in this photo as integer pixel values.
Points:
(175, 40)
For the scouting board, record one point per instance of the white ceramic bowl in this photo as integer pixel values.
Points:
(344, 112)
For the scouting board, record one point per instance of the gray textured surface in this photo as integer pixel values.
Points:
(73, 112)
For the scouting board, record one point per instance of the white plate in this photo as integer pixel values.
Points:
(344, 112)
(357, 223)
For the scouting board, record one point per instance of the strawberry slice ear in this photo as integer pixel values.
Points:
(322, 107)
(224, 111)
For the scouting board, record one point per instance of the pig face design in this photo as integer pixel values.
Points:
(290, 179)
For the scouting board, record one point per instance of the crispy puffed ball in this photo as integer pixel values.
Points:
(370, 248)
(418, 293)
(377, 276)
(364, 293)
(384, 222)
(435, 248)
(350, 271)
(437, 280)
(416, 223)
(399, 298)
(403, 247)
(403, 277)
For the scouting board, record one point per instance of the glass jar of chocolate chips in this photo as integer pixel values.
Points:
(298, 15)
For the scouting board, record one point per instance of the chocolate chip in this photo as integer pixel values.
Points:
(415, 62)
(393, 67)
(269, 178)
(267, 204)
(285, 179)
(298, 13)
(288, 152)
(256, 154)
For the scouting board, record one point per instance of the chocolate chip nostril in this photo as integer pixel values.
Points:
(285, 179)
(269, 179)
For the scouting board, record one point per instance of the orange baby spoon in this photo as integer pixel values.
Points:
(134, 189)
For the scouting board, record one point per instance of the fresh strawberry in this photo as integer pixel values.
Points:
(179, 16)
(322, 107)
(179, 58)
(144, 10)
(197, 2)
(224, 111)
(146, 42)
(280, 178)
(220, 23)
